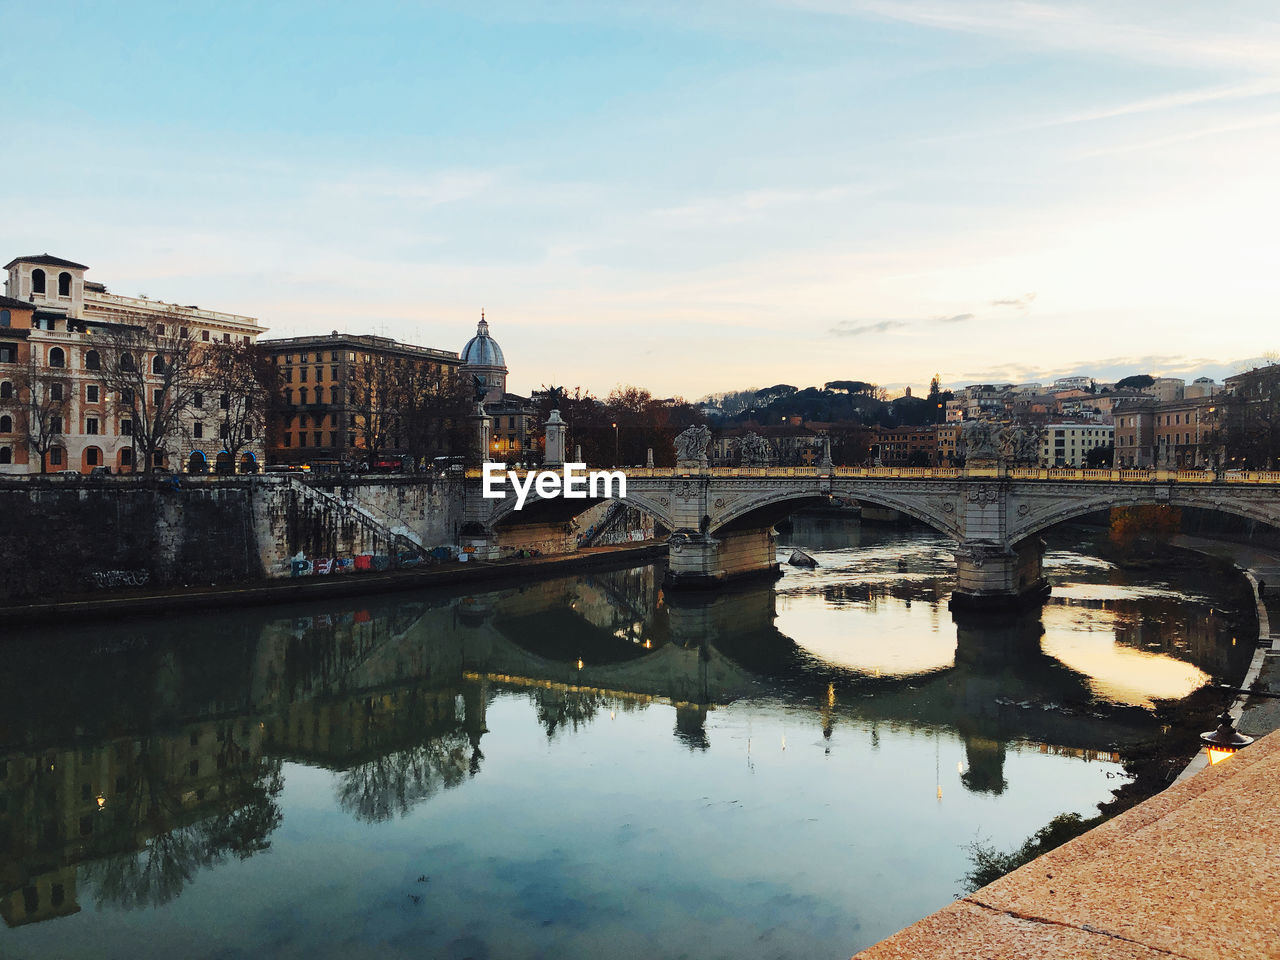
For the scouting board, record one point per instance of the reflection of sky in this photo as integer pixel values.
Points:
(899, 639)
(614, 840)
(1085, 641)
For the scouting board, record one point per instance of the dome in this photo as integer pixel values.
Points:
(482, 350)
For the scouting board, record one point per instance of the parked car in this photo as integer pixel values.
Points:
(100, 472)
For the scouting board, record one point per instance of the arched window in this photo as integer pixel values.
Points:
(157, 365)
(4, 318)
(6, 424)
(64, 284)
(92, 457)
(37, 280)
(6, 390)
(57, 358)
(92, 361)
(126, 361)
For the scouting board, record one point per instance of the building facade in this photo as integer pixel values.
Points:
(50, 331)
(339, 400)
(1069, 444)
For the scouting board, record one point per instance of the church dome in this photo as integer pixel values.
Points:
(482, 350)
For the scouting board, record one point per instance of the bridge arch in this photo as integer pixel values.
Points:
(543, 509)
(1041, 517)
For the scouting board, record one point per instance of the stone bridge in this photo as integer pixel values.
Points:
(721, 519)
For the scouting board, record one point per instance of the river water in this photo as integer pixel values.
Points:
(579, 767)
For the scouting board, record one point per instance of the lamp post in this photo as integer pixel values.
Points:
(615, 443)
(1224, 741)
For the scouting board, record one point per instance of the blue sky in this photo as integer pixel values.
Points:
(784, 191)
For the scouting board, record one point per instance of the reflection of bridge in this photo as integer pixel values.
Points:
(722, 519)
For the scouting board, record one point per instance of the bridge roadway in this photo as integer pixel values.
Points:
(721, 519)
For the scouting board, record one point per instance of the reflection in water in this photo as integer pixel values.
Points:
(135, 755)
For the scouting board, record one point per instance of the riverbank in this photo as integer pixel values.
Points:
(1190, 872)
(155, 602)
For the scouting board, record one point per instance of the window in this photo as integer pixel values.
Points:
(93, 456)
(197, 400)
(126, 428)
(157, 364)
(4, 318)
(91, 393)
(197, 430)
(248, 433)
(284, 440)
(224, 401)
(302, 375)
(57, 358)
(126, 395)
(333, 355)
(302, 395)
(126, 457)
(126, 362)
(6, 423)
(333, 373)
(6, 455)
(55, 457)
(55, 392)
(157, 458)
(288, 397)
(92, 361)
(37, 281)
(91, 425)
(157, 396)
(316, 441)
(204, 335)
(8, 353)
(333, 439)
(223, 430)
(55, 424)
(351, 439)
(226, 338)
(64, 284)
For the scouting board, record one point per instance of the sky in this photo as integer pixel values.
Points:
(689, 197)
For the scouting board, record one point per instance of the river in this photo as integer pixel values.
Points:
(577, 767)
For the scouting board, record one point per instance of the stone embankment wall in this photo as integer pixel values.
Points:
(67, 536)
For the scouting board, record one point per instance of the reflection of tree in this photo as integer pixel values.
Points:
(161, 852)
(558, 707)
(394, 783)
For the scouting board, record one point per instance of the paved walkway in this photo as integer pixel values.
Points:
(1192, 873)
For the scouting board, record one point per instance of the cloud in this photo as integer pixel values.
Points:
(1021, 302)
(958, 318)
(849, 328)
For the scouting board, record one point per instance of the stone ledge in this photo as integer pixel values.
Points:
(1193, 872)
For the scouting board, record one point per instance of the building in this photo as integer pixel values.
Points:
(905, 447)
(1071, 383)
(1166, 389)
(514, 426)
(48, 326)
(1249, 413)
(337, 400)
(1201, 387)
(1186, 434)
(946, 441)
(1069, 444)
(1134, 432)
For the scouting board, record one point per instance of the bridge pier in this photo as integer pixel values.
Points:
(996, 576)
(699, 560)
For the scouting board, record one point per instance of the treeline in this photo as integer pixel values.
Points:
(837, 401)
(622, 427)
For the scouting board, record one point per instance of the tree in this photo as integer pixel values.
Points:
(1148, 526)
(1100, 458)
(374, 396)
(1139, 381)
(434, 406)
(152, 373)
(44, 395)
(851, 386)
(242, 380)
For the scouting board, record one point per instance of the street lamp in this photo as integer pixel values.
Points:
(1224, 741)
(615, 443)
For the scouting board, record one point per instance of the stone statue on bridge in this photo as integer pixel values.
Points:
(691, 446)
(754, 450)
(980, 439)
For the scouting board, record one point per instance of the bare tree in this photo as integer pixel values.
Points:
(44, 395)
(374, 395)
(153, 372)
(241, 381)
(433, 405)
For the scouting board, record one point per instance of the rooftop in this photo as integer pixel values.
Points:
(46, 260)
